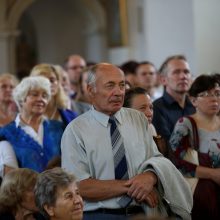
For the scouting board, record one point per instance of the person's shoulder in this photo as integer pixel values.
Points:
(185, 122)
(129, 111)
(158, 102)
(8, 129)
(83, 118)
(67, 115)
(132, 114)
(9, 125)
(83, 104)
(68, 111)
(54, 123)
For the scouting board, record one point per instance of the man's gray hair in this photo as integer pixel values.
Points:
(48, 183)
(91, 80)
(29, 83)
(163, 68)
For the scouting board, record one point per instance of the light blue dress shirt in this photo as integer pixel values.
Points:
(87, 150)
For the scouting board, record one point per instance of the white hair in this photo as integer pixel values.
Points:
(29, 83)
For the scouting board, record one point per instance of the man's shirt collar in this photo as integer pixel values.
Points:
(103, 118)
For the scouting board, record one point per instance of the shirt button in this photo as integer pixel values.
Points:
(42, 154)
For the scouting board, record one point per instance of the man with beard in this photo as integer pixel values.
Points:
(111, 152)
(174, 104)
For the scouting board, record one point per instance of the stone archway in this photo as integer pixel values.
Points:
(92, 40)
(68, 27)
(10, 13)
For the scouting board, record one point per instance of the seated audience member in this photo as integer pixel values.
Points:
(82, 101)
(34, 139)
(110, 150)
(57, 195)
(65, 83)
(198, 135)
(74, 66)
(138, 98)
(146, 75)
(83, 94)
(57, 107)
(17, 200)
(176, 77)
(8, 109)
(129, 70)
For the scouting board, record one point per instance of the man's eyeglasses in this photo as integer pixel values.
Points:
(209, 94)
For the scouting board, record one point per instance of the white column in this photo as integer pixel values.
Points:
(95, 45)
(8, 51)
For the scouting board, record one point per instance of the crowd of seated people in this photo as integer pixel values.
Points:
(35, 112)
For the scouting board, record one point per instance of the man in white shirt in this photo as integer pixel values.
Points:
(88, 152)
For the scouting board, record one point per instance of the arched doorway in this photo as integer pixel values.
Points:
(50, 30)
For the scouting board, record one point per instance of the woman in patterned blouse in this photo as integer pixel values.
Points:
(205, 96)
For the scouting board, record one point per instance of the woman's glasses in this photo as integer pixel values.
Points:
(209, 94)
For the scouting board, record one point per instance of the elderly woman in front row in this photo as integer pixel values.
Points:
(34, 139)
(57, 195)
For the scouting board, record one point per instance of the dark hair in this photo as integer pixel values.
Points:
(144, 63)
(129, 67)
(217, 77)
(202, 83)
(163, 67)
(130, 93)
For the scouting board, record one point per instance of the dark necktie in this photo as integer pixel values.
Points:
(120, 163)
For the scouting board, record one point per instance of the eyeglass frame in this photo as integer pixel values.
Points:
(207, 94)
